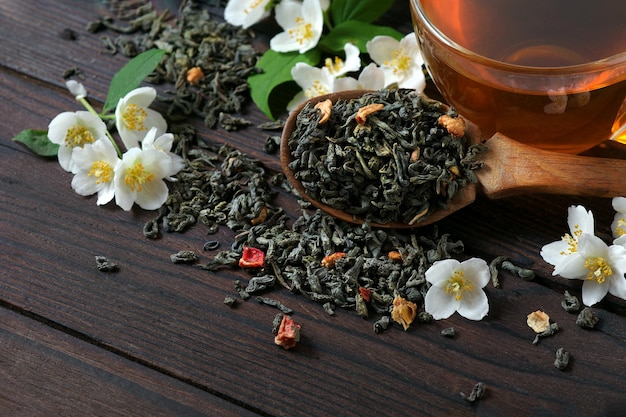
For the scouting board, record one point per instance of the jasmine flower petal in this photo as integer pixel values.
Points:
(618, 226)
(457, 286)
(401, 61)
(134, 119)
(77, 89)
(438, 304)
(440, 271)
(246, 13)
(153, 195)
(73, 130)
(302, 23)
(370, 78)
(339, 67)
(313, 81)
(553, 252)
(139, 178)
(475, 268)
(579, 218)
(571, 267)
(474, 306)
(593, 292)
(95, 168)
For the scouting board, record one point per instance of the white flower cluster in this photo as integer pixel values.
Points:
(580, 254)
(396, 63)
(87, 150)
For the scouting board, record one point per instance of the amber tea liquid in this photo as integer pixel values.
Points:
(566, 113)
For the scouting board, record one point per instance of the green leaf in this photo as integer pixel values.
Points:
(362, 10)
(276, 68)
(131, 75)
(38, 142)
(358, 33)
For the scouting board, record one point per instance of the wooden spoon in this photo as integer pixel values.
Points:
(509, 168)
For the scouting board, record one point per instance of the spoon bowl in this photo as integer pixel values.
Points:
(509, 168)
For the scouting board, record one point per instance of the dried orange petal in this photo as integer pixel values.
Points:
(403, 312)
(538, 321)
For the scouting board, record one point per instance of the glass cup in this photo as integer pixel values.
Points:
(550, 74)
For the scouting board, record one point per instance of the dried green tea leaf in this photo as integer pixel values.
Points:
(38, 142)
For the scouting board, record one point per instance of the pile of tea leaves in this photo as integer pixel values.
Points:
(329, 261)
(220, 57)
(222, 187)
(388, 156)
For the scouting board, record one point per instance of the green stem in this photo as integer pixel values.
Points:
(91, 110)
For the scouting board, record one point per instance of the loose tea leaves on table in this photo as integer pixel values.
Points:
(388, 156)
(587, 319)
(562, 359)
(298, 256)
(222, 53)
(104, 264)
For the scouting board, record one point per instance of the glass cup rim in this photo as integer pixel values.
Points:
(603, 64)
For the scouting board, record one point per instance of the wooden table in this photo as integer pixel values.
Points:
(156, 339)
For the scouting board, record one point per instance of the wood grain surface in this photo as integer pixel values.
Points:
(156, 339)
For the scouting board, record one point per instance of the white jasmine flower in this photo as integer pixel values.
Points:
(619, 221)
(133, 118)
(246, 13)
(77, 89)
(457, 286)
(164, 144)
(313, 81)
(302, 23)
(95, 169)
(401, 61)
(139, 178)
(562, 252)
(339, 67)
(601, 267)
(370, 78)
(72, 130)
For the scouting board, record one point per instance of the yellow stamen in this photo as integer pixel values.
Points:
(599, 269)
(316, 90)
(572, 241)
(252, 5)
(134, 116)
(620, 230)
(458, 285)
(78, 136)
(302, 32)
(400, 61)
(102, 171)
(335, 66)
(136, 177)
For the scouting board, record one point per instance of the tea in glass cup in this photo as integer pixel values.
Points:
(547, 73)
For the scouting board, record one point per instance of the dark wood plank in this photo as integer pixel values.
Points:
(44, 372)
(171, 319)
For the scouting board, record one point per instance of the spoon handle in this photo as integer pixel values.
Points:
(512, 168)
